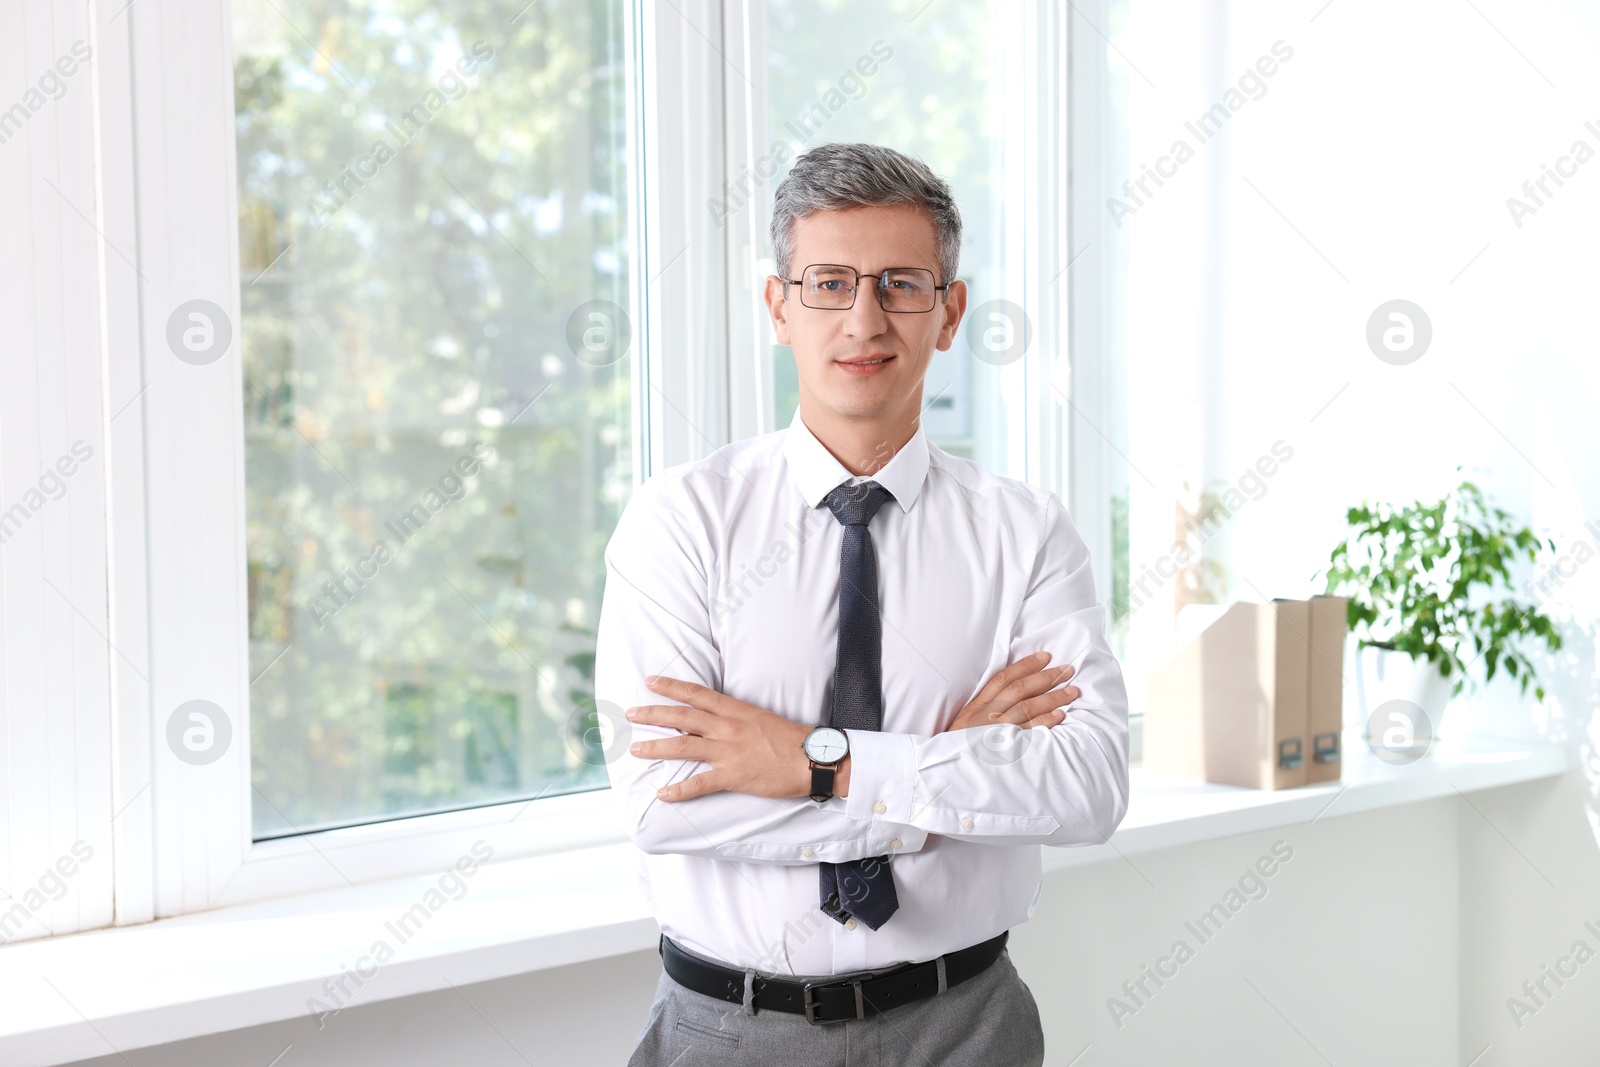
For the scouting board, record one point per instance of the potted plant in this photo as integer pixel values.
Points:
(1410, 573)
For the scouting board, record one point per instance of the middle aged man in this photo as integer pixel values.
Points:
(855, 745)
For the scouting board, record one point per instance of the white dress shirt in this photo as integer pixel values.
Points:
(725, 571)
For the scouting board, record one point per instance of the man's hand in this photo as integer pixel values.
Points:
(751, 750)
(1021, 694)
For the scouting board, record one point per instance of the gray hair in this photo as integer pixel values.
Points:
(833, 176)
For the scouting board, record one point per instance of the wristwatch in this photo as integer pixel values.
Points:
(824, 747)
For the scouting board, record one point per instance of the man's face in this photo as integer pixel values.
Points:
(825, 343)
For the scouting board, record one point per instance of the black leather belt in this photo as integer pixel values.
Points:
(836, 999)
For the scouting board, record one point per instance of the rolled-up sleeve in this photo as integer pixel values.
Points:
(655, 618)
(1002, 784)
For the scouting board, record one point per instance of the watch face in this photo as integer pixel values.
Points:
(826, 745)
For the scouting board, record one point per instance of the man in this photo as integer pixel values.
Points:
(842, 896)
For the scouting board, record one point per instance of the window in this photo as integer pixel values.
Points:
(1248, 413)
(395, 305)
(890, 74)
(434, 275)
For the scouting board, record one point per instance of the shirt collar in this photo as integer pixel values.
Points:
(816, 472)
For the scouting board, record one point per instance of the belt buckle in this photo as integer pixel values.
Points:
(811, 1004)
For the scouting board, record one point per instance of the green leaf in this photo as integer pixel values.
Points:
(1410, 572)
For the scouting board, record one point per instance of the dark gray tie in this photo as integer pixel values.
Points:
(861, 888)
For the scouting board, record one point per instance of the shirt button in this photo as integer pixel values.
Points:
(849, 924)
(807, 853)
(880, 807)
(895, 843)
(966, 824)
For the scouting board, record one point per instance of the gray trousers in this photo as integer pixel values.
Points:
(990, 1020)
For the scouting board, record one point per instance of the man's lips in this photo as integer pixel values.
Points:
(866, 364)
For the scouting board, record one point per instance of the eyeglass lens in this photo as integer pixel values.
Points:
(900, 288)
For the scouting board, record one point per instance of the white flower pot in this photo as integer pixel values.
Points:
(1383, 675)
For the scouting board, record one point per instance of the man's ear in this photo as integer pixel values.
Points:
(953, 308)
(777, 308)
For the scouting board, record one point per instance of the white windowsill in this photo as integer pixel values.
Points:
(255, 963)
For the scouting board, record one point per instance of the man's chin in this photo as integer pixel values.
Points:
(861, 407)
(871, 397)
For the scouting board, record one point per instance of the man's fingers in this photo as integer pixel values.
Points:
(694, 786)
(692, 693)
(1031, 687)
(1046, 702)
(1047, 679)
(678, 716)
(1011, 687)
(1034, 684)
(678, 746)
(1025, 710)
(1006, 675)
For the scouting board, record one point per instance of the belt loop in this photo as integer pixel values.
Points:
(749, 1005)
(942, 985)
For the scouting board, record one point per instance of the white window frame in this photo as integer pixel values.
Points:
(701, 378)
(191, 464)
(63, 281)
(1089, 287)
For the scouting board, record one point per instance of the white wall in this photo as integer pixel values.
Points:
(1537, 885)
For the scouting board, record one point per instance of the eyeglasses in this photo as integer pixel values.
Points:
(831, 287)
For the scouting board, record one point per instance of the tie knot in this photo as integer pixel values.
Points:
(854, 505)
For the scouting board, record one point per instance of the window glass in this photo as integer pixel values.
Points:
(433, 248)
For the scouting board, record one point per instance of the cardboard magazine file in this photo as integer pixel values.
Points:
(1231, 706)
(1325, 713)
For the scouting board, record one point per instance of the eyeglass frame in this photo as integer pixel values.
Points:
(881, 278)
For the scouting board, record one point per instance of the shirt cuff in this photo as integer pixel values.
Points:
(883, 777)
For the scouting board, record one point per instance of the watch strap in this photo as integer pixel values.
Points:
(821, 781)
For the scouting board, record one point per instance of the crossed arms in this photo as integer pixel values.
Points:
(708, 775)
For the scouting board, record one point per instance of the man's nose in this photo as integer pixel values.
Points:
(867, 317)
